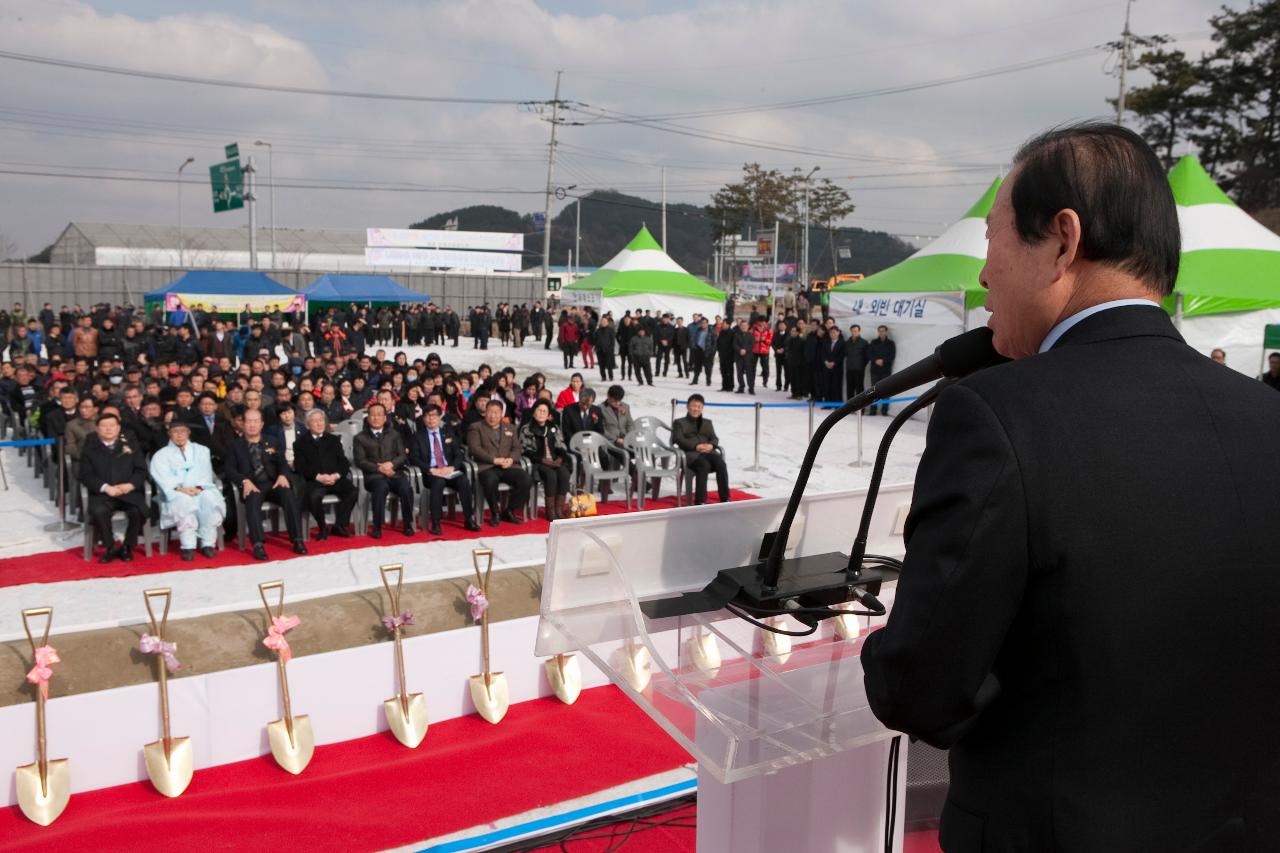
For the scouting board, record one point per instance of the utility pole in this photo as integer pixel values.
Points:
(271, 185)
(804, 264)
(251, 202)
(1125, 43)
(664, 208)
(185, 163)
(551, 165)
(577, 238)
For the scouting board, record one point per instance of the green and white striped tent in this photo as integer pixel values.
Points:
(643, 277)
(1228, 286)
(930, 296)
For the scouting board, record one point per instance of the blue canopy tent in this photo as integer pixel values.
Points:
(367, 289)
(226, 292)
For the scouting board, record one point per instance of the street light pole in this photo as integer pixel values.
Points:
(577, 236)
(804, 264)
(185, 163)
(271, 184)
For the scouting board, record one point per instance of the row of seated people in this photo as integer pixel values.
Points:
(311, 467)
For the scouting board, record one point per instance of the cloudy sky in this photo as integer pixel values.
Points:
(90, 145)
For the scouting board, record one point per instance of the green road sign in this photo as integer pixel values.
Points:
(228, 186)
(233, 151)
(1271, 336)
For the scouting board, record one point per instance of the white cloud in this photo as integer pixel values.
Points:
(642, 59)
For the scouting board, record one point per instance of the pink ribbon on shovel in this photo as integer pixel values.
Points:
(275, 635)
(479, 604)
(150, 645)
(393, 622)
(46, 657)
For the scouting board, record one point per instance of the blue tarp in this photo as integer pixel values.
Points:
(219, 282)
(360, 288)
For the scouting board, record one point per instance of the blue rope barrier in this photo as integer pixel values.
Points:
(29, 442)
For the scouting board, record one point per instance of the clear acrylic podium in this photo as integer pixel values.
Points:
(789, 755)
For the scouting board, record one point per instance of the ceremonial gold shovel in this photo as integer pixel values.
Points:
(291, 739)
(637, 665)
(406, 712)
(846, 625)
(705, 651)
(44, 788)
(170, 762)
(565, 677)
(776, 645)
(488, 689)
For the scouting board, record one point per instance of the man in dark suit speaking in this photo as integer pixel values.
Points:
(1089, 613)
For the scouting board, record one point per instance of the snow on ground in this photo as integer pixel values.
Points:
(25, 507)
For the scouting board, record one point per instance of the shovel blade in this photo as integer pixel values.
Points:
(776, 645)
(492, 700)
(565, 677)
(170, 776)
(293, 755)
(43, 803)
(636, 667)
(847, 627)
(705, 653)
(411, 727)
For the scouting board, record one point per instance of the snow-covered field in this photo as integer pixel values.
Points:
(24, 508)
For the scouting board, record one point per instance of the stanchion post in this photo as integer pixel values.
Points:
(62, 523)
(810, 420)
(756, 454)
(859, 463)
(673, 410)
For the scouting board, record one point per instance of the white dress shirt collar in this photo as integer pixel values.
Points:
(1056, 333)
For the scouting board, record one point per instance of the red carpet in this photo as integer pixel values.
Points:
(70, 565)
(372, 793)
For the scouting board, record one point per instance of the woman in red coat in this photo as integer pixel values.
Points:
(569, 396)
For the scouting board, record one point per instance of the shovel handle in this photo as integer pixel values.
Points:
(482, 580)
(267, 586)
(157, 627)
(31, 613)
(393, 596)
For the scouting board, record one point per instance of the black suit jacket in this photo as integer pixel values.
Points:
(1089, 614)
(325, 455)
(572, 421)
(240, 466)
(124, 463)
(451, 443)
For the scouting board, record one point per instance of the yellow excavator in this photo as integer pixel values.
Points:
(822, 285)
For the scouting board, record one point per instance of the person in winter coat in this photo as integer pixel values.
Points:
(855, 361)
(606, 348)
(569, 396)
(881, 353)
(543, 445)
(779, 347)
(569, 335)
(761, 348)
(641, 353)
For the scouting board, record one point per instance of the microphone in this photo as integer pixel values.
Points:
(822, 579)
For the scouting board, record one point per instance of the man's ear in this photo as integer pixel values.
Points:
(1066, 233)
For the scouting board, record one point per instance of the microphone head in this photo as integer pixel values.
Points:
(963, 354)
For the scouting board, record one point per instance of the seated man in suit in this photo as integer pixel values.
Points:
(256, 466)
(188, 491)
(695, 435)
(322, 464)
(583, 415)
(437, 451)
(115, 475)
(380, 453)
(495, 447)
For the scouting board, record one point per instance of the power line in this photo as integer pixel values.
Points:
(260, 87)
(613, 117)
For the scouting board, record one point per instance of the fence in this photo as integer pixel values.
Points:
(811, 405)
(69, 284)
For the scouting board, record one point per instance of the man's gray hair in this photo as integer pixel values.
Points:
(317, 412)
